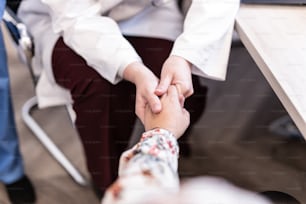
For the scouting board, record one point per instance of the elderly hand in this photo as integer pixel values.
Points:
(173, 116)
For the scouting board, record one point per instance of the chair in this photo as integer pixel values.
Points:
(24, 45)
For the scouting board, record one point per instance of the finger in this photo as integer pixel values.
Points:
(148, 109)
(184, 89)
(179, 89)
(181, 96)
(189, 92)
(173, 96)
(154, 103)
(173, 92)
(182, 100)
(163, 85)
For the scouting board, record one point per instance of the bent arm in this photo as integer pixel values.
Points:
(206, 39)
(146, 171)
(94, 37)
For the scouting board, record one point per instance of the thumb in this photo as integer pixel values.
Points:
(163, 85)
(182, 100)
(173, 93)
(154, 103)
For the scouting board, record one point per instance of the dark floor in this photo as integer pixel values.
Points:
(231, 140)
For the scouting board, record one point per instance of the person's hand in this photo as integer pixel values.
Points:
(173, 117)
(176, 71)
(146, 83)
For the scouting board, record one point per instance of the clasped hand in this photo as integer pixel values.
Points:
(152, 93)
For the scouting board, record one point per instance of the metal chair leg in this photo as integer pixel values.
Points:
(48, 143)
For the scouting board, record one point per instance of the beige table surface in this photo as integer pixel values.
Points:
(275, 36)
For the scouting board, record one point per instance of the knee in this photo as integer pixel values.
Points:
(94, 86)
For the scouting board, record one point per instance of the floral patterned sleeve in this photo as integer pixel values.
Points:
(148, 170)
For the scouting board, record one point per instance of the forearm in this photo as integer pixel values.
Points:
(96, 38)
(158, 144)
(149, 168)
(135, 72)
(206, 39)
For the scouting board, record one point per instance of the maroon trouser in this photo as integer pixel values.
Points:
(105, 112)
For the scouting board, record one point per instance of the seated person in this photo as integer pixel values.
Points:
(112, 57)
(148, 171)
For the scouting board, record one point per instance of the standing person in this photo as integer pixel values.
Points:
(18, 186)
(94, 53)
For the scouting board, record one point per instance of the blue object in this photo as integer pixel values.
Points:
(11, 165)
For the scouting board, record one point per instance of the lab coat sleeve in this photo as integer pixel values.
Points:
(206, 38)
(94, 37)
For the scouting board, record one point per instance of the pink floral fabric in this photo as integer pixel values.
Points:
(148, 175)
(151, 165)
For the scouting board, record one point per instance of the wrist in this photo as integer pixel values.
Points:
(131, 71)
(160, 143)
(182, 61)
(163, 128)
(135, 72)
(158, 131)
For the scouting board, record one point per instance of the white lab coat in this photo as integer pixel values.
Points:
(93, 29)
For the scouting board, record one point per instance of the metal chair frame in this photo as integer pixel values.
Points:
(24, 44)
